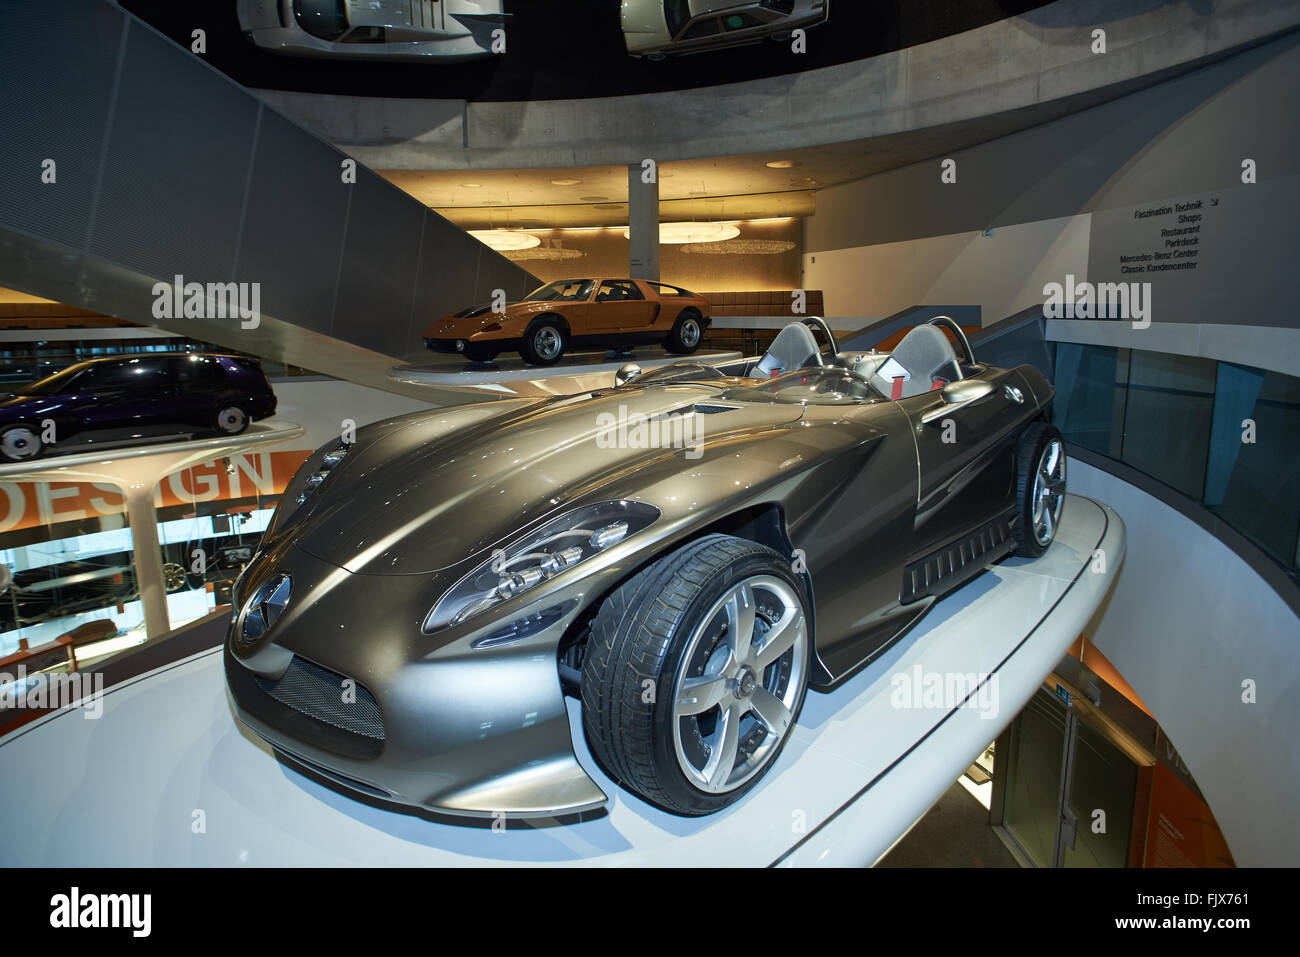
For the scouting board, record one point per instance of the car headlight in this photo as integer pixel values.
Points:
(557, 546)
(328, 463)
(310, 476)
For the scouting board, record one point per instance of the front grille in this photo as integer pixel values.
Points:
(319, 693)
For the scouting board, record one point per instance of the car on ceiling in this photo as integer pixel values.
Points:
(656, 29)
(121, 400)
(797, 514)
(434, 30)
(576, 312)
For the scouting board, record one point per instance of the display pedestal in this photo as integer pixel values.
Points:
(862, 764)
(137, 470)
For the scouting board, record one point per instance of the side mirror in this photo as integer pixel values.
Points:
(626, 373)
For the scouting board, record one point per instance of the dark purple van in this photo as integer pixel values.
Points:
(122, 399)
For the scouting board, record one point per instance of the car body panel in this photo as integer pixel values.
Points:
(474, 714)
(658, 28)
(593, 319)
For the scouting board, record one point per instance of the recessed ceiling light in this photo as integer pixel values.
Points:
(472, 185)
(565, 182)
(780, 164)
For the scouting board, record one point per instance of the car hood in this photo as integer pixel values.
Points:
(29, 403)
(421, 499)
(471, 320)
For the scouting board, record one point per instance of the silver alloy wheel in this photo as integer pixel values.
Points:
(20, 443)
(231, 419)
(1049, 491)
(689, 333)
(547, 342)
(740, 709)
(174, 576)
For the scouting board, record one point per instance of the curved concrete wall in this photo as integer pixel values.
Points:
(1191, 626)
(1021, 71)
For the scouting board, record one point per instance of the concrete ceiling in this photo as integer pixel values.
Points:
(732, 187)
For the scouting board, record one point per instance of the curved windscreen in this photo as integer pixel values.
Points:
(827, 385)
(564, 290)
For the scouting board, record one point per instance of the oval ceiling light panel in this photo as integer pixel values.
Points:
(500, 239)
(672, 234)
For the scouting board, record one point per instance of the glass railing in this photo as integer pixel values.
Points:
(1223, 434)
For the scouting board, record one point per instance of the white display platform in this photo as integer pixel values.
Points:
(128, 788)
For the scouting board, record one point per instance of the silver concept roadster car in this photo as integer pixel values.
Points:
(685, 553)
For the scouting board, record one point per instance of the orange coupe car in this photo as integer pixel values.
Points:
(579, 312)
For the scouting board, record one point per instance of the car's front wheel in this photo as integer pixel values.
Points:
(19, 443)
(695, 672)
(543, 343)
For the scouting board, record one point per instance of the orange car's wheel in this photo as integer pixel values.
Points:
(686, 334)
(543, 342)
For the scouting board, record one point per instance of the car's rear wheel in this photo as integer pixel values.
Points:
(543, 342)
(231, 420)
(19, 443)
(480, 353)
(686, 333)
(1040, 488)
(695, 672)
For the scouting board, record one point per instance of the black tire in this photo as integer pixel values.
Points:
(20, 443)
(1035, 442)
(479, 353)
(544, 342)
(686, 334)
(641, 634)
(231, 419)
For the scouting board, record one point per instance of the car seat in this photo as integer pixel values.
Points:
(923, 354)
(793, 348)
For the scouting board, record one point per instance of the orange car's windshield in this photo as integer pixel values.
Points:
(565, 290)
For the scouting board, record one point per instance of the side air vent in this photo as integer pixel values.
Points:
(703, 408)
(950, 566)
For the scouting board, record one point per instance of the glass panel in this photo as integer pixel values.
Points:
(1254, 469)
(66, 552)
(1089, 405)
(210, 520)
(1167, 424)
(1101, 778)
(1033, 792)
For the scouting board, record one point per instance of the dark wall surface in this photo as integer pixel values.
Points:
(164, 166)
